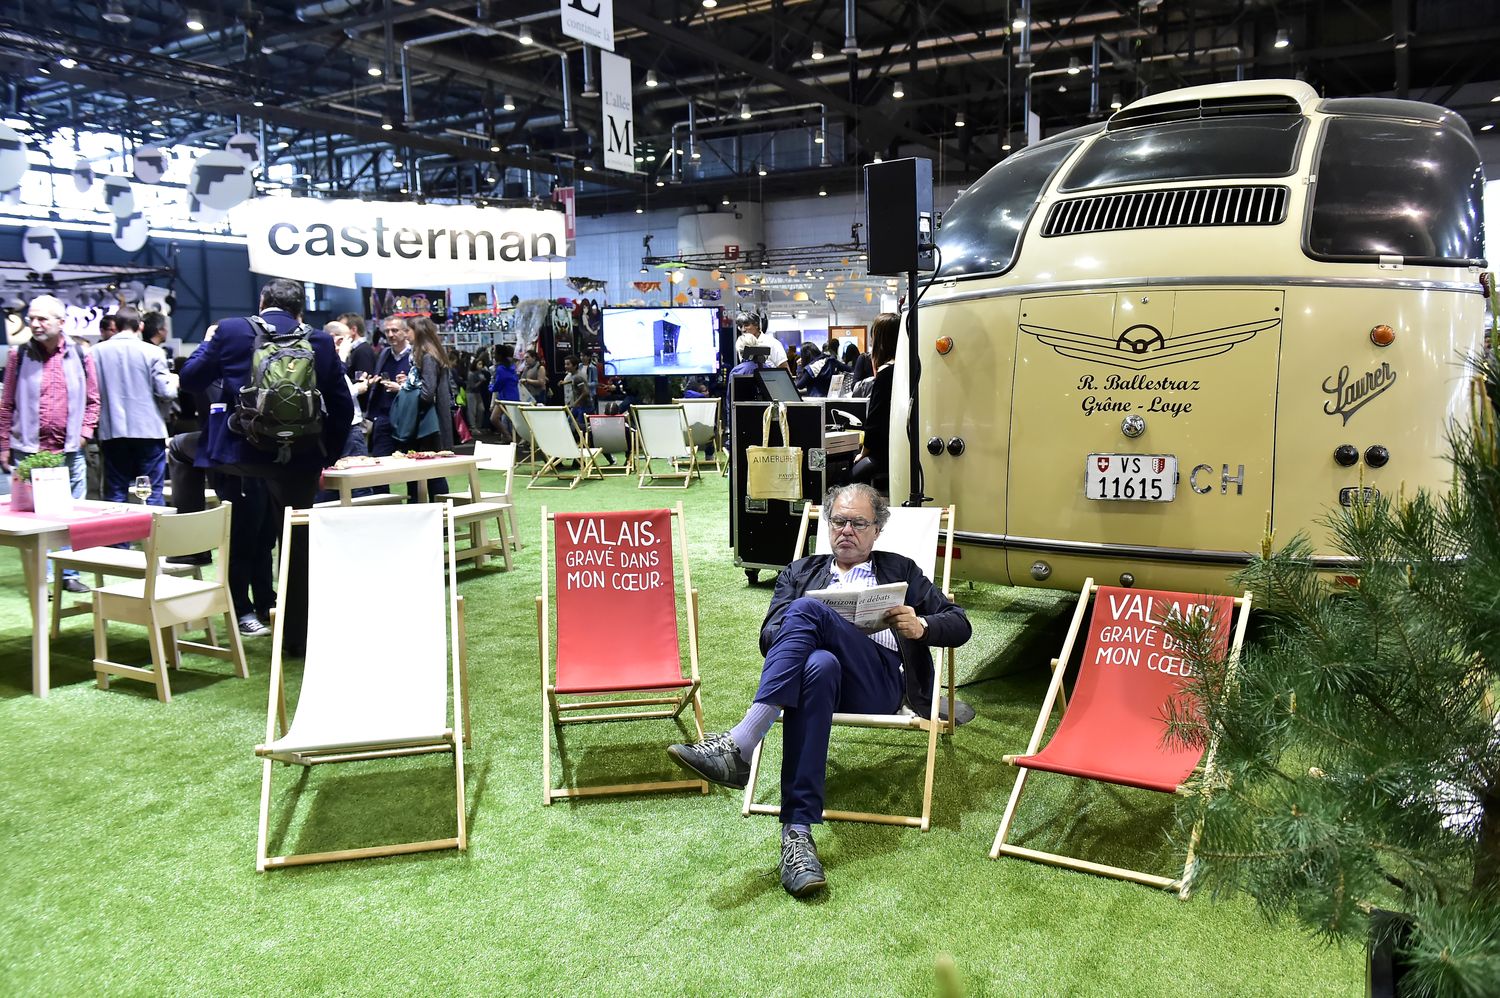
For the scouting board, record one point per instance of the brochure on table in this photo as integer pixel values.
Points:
(51, 491)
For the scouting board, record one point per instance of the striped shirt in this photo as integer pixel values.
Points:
(862, 577)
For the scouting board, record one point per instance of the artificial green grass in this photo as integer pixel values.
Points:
(130, 827)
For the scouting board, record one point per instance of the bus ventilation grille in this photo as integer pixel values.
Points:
(1256, 204)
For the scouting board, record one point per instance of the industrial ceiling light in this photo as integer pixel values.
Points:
(640, 211)
(67, 62)
(660, 182)
(114, 12)
(897, 91)
(156, 122)
(710, 4)
(822, 192)
(651, 80)
(194, 20)
(744, 110)
(396, 162)
(588, 168)
(878, 159)
(386, 124)
(258, 102)
(1283, 38)
(1019, 24)
(524, 35)
(817, 52)
(1005, 146)
(958, 120)
(508, 102)
(1062, 88)
(374, 69)
(494, 147)
(1487, 126)
(818, 136)
(761, 170)
(1074, 66)
(725, 201)
(1114, 103)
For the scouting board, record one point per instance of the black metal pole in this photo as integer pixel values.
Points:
(914, 375)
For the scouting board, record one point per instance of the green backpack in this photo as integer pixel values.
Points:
(281, 409)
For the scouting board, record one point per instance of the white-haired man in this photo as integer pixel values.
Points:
(817, 663)
(50, 401)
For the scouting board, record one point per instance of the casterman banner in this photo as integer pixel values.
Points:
(399, 243)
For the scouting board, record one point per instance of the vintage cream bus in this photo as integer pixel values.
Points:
(1224, 304)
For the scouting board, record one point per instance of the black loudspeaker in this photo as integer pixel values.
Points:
(898, 214)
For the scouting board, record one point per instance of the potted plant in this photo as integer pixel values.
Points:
(20, 478)
(1354, 751)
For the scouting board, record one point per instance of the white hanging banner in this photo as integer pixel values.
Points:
(591, 21)
(400, 244)
(618, 101)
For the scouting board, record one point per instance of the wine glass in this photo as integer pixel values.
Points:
(141, 488)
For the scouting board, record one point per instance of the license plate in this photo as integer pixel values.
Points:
(1131, 477)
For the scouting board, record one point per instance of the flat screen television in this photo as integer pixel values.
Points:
(661, 340)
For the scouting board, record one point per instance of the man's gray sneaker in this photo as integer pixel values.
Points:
(716, 759)
(251, 627)
(801, 873)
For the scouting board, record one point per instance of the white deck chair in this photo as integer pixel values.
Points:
(390, 699)
(916, 532)
(556, 435)
(662, 434)
(611, 434)
(706, 425)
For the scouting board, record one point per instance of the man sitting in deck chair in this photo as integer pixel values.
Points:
(818, 663)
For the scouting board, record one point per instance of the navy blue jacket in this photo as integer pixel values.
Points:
(947, 624)
(228, 356)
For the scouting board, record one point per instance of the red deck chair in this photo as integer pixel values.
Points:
(616, 606)
(1113, 730)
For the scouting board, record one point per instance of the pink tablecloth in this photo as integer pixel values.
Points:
(89, 527)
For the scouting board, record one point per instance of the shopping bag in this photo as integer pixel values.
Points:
(774, 472)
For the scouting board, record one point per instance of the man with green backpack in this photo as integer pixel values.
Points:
(287, 413)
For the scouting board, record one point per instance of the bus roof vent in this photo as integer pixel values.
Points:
(1242, 204)
(1214, 107)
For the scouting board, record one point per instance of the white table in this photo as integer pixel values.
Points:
(35, 539)
(396, 470)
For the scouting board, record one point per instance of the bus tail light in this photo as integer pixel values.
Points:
(1382, 335)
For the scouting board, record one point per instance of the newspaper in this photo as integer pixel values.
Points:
(864, 608)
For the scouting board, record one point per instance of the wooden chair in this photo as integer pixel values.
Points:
(109, 562)
(405, 694)
(706, 426)
(161, 602)
(1114, 724)
(919, 533)
(616, 656)
(661, 434)
(491, 505)
(611, 435)
(556, 434)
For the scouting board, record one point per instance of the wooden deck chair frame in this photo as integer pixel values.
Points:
(185, 602)
(931, 725)
(636, 705)
(604, 426)
(452, 740)
(522, 434)
(555, 432)
(657, 439)
(715, 435)
(1055, 695)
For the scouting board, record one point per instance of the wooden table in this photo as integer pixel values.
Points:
(35, 539)
(470, 515)
(396, 470)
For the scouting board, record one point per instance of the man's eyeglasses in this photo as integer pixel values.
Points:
(837, 523)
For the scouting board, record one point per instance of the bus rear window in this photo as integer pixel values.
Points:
(1397, 188)
(1262, 145)
(982, 230)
